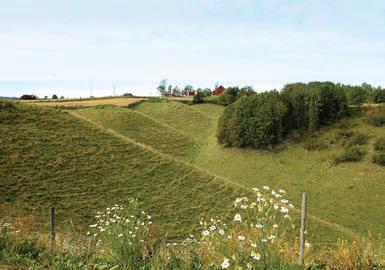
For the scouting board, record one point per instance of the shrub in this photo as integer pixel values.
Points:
(350, 154)
(199, 97)
(254, 121)
(128, 95)
(377, 121)
(54, 97)
(314, 144)
(229, 96)
(379, 144)
(375, 116)
(6, 104)
(379, 158)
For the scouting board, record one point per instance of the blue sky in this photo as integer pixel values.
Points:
(64, 46)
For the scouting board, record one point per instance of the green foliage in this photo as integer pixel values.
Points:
(378, 95)
(230, 95)
(375, 116)
(314, 143)
(350, 138)
(199, 97)
(252, 121)
(379, 144)
(350, 154)
(28, 97)
(312, 105)
(379, 158)
(55, 97)
(6, 104)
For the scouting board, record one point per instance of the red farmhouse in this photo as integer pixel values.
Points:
(218, 91)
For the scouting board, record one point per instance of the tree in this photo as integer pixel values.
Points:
(54, 96)
(207, 92)
(162, 88)
(28, 97)
(254, 121)
(199, 97)
(230, 95)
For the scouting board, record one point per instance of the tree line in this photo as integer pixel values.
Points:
(262, 120)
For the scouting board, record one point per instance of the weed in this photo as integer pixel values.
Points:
(350, 154)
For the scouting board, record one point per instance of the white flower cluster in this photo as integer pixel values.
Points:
(120, 223)
(258, 223)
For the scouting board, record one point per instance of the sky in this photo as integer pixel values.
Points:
(70, 47)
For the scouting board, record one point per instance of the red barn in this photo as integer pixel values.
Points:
(191, 93)
(218, 91)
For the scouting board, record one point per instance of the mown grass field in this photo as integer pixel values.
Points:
(69, 103)
(165, 153)
(50, 157)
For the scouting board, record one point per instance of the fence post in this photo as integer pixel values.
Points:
(302, 230)
(52, 223)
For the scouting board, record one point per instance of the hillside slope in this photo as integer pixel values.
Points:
(49, 157)
(348, 194)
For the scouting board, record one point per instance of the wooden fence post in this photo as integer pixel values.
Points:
(52, 223)
(302, 230)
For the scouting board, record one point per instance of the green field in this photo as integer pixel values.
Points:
(165, 153)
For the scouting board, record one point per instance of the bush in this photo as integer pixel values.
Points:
(377, 121)
(54, 97)
(350, 154)
(379, 144)
(6, 104)
(375, 116)
(254, 121)
(379, 158)
(314, 144)
(229, 96)
(128, 95)
(199, 97)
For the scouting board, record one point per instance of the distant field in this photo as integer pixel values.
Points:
(63, 103)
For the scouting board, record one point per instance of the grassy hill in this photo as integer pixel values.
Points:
(165, 153)
(50, 157)
(348, 194)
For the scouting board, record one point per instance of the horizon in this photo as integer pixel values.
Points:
(63, 48)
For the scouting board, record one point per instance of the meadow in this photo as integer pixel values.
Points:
(165, 153)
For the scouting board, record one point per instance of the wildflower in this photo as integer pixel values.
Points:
(307, 244)
(284, 201)
(93, 225)
(253, 245)
(212, 228)
(205, 233)
(275, 226)
(243, 206)
(266, 187)
(255, 189)
(284, 210)
(120, 235)
(249, 266)
(281, 191)
(102, 229)
(276, 206)
(286, 216)
(273, 192)
(221, 232)
(225, 264)
(238, 217)
(255, 256)
(241, 238)
(259, 226)
(88, 233)
(291, 206)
